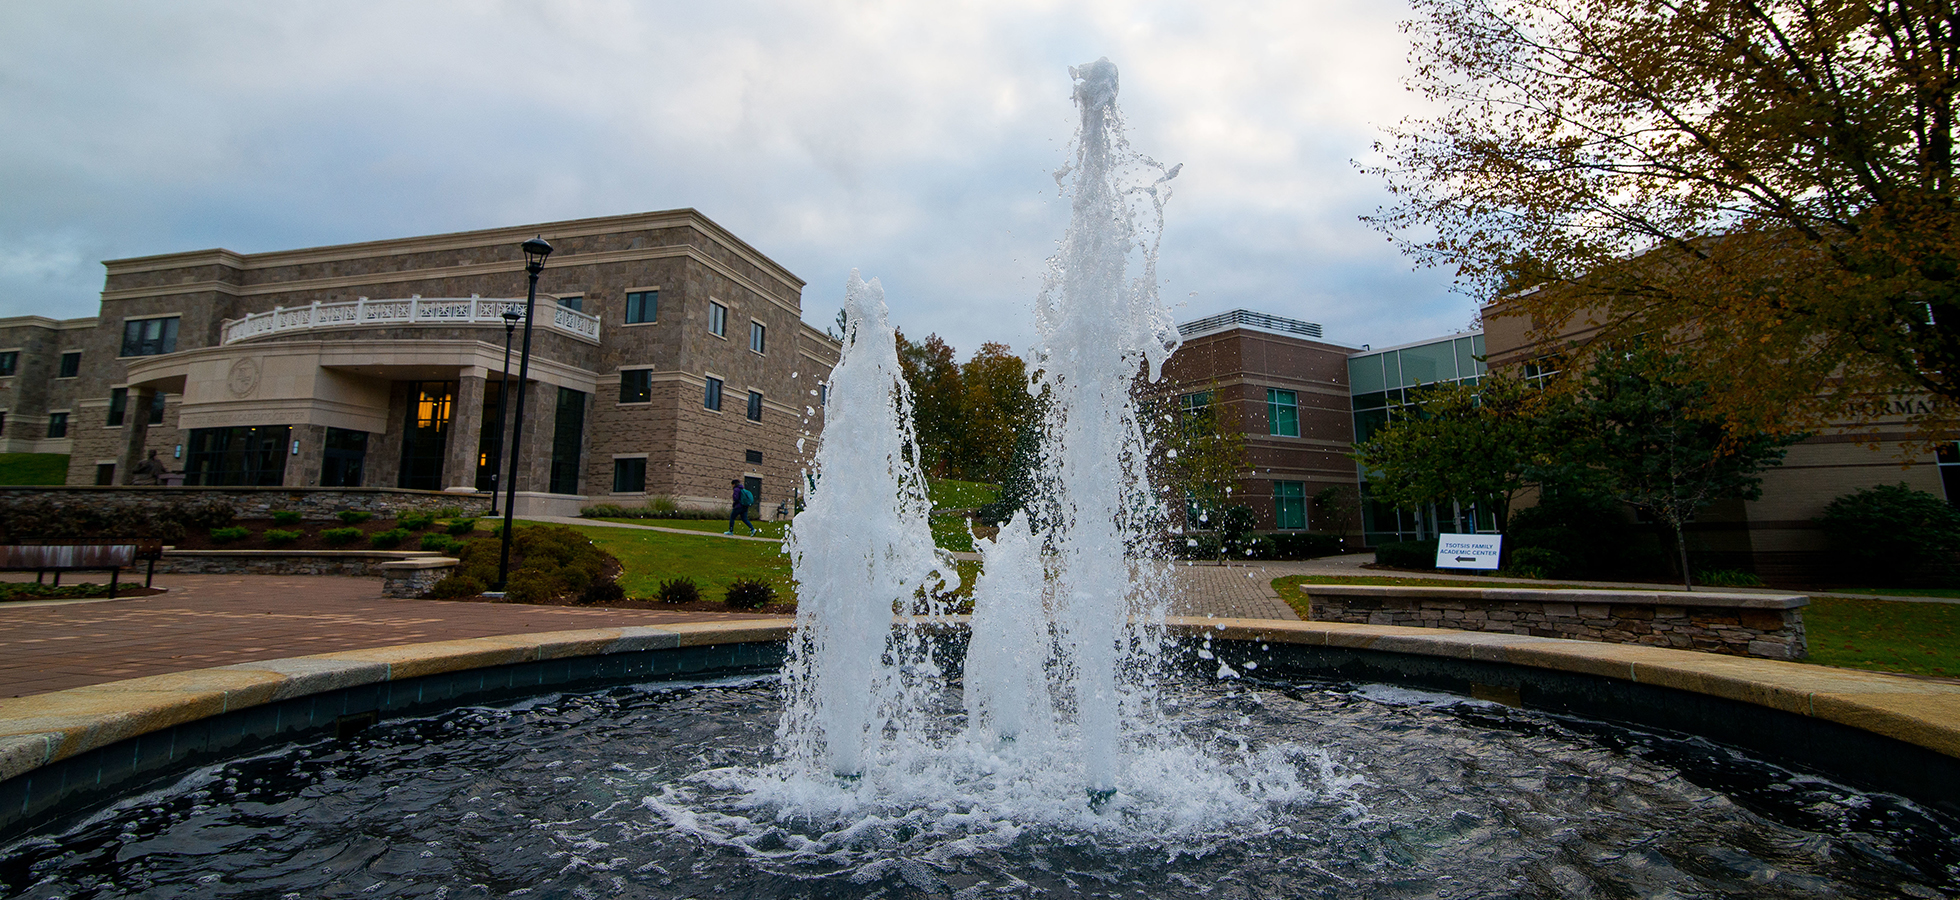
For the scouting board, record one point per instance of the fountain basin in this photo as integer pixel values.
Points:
(65, 751)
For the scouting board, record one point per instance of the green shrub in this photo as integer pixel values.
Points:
(1892, 533)
(286, 516)
(229, 534)
(440, 543)
(1407, 555)
(279, 537)
(455, 586)
(1535, 562)
(748, 593)
(387, 540)
(414, 521)
(1728, 578)
(602, 591)
(546, 562)
(354, 516)
(678, 590)
(1593, 535)
(462, 526)
(336, 537)
(1306, 545)
(657, 508)
(449, 512)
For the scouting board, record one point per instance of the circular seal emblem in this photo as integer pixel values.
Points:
(244, 377)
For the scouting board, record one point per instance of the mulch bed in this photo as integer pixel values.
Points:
(123, 591)
(773, 609)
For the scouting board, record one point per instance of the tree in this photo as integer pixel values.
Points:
(1772, 180)
(1891, 532)
(1663, 447)
(1483, 443)
(1203, 460)
(995, 409)
(934, 377)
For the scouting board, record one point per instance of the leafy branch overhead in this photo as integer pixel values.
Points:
(1769, 182)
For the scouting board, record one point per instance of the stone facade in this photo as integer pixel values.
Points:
(337, 338)
(1761, 625)
(313, 504)
(412, 578)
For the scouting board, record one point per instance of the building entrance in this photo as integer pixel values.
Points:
(425, 434)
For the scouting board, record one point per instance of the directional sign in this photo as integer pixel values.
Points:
(1468, 551)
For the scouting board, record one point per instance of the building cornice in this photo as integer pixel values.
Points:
(514, 267)
(45, 322)
(460, 240)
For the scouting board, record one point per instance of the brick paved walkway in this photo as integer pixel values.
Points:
(216, 620)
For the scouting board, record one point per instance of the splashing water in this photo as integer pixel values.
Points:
(1056, 718)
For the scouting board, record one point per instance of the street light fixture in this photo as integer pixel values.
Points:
(535, 251)
(511, 318)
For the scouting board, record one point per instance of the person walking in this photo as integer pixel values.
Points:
(740, 510)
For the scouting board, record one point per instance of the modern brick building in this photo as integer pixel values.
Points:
(668, 357)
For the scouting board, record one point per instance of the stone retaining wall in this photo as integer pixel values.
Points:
(1769, 626)
(412, 578)
(280, 562)
(313, 504)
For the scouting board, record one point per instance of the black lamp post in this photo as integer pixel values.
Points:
(511, 318)
(535, 251)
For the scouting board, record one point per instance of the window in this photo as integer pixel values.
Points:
(71, 364)
(630, 475)
(752, 457)
(1194, 413)
(1948, 459)
(156, 408)
(642, 306)
(636, 386)
(118, 402)
(149, 337)
(755, 406)
(711, 398)
(717, 319)
(238, 456)
(758, 336)
(1282, 413)
(425, 434)
(567, 441)
(823, 394)
(105, 473)
(1289, 504)
(57, 425)
(3, 422)
(343, 458)
(9, 362)
(573, 302)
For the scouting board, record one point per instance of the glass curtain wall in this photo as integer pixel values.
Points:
(567, 441)
(253, 455)
(1386, 386)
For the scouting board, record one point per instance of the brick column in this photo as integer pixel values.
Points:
(465, 429)
(136, 431)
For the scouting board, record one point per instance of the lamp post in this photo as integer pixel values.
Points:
(535, 251)
(511, 318)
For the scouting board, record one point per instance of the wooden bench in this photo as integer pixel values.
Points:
(58, 558)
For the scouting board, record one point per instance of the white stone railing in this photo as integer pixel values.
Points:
(415, 310)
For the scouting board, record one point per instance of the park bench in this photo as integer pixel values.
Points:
(58, 558)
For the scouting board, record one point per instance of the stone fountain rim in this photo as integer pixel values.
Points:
(41, 729)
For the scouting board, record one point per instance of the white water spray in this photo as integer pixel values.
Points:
(1061, 722)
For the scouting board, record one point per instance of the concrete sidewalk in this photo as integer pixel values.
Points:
(216, 620)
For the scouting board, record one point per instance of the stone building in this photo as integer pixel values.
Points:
(1273, 380)
(667, 358)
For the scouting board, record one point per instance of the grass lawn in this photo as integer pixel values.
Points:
(952, 533)
(33, 468)
(946, 493)
(1943, 593)
(1886, 635)
(708, 526)
(651, 557)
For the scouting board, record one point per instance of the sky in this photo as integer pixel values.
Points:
(915, 142)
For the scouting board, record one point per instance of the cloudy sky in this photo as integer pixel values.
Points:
(912, 141)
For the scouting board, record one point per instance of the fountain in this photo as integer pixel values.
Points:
(1056, 758)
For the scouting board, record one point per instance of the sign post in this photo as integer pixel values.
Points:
(1468, 551)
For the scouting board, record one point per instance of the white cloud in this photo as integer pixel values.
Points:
(912, 141)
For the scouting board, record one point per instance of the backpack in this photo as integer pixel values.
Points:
(748, 499)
